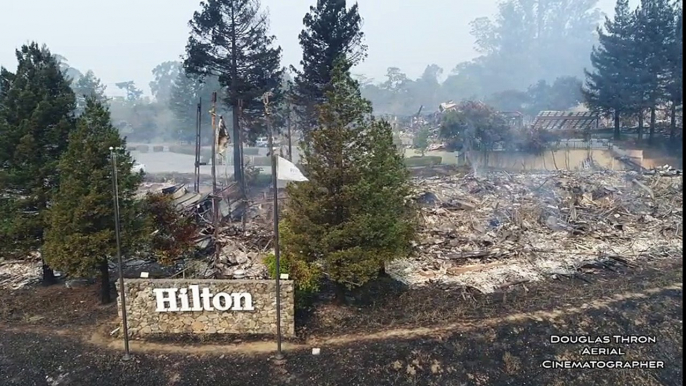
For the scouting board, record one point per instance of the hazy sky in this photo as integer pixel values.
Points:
(123, 40)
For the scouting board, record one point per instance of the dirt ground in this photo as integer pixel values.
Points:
(386, 336)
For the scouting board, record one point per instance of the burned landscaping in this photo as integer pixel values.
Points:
(428, 336)
(495, 229)
(251, 219)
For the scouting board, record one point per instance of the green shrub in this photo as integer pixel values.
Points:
(251, 151)
(423, 161)
(157, 149)
(142, 148)
(305, 276)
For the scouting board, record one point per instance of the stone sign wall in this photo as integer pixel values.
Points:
(179, 306)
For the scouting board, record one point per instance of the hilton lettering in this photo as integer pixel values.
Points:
(168, 300)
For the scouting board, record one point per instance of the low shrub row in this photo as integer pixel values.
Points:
(418, 161)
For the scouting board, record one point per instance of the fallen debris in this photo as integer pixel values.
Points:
(489, 231)
(241, 252)
(16, 274)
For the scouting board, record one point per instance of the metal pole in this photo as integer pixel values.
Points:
(120, 263)
(215, 205)
(242, 157)
(288, 126)
(198, 145)
(277, 254)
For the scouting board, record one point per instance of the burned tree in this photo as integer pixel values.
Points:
(229, 39)
(172, 234)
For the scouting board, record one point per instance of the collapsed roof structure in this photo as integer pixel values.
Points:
(566, 120)
(199, 205)
(239, 248)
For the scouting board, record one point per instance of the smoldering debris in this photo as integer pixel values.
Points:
(241, 252)
(17, 274)
(242, 239)
(492, 230)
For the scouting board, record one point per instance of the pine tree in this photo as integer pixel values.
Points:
(639, 83)
(185, 94)
(675, 85)
(653, 44)
(229, 39)
(352, 214)
(36, 115)
(421, 140)
(81, 224)
(86, 86)
(331, 31)
(607, 87)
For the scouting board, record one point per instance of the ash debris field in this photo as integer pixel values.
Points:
(504, 262)
(496, 342)
(493, 230)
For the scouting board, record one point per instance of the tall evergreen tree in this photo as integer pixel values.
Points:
(229, 39)
(186, 92)
(607, 86)
(352, 214)
(86, 86)
(652, 49)
(331, 31)
(81, 223)
(675, 85)
(165, 74)
(36, 116)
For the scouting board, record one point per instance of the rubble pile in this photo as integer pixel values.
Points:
(17, 274)
(490, 231)
(241, 252)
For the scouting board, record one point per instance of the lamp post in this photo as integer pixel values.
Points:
(279, 354)
(115, 194)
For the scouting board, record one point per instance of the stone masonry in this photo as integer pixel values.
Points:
(143, 319)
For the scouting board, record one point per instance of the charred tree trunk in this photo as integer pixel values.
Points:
(640, 126)
(672, 122)
(237, 159)
(617, 127)
(340, 294)
(105, 293)
(651, 135)
(48, 275)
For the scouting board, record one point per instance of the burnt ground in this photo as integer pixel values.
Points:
(388, 336)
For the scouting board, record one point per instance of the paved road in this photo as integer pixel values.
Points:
(166, 162)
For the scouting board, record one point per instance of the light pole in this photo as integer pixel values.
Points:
(279, 354)
(115, 188)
